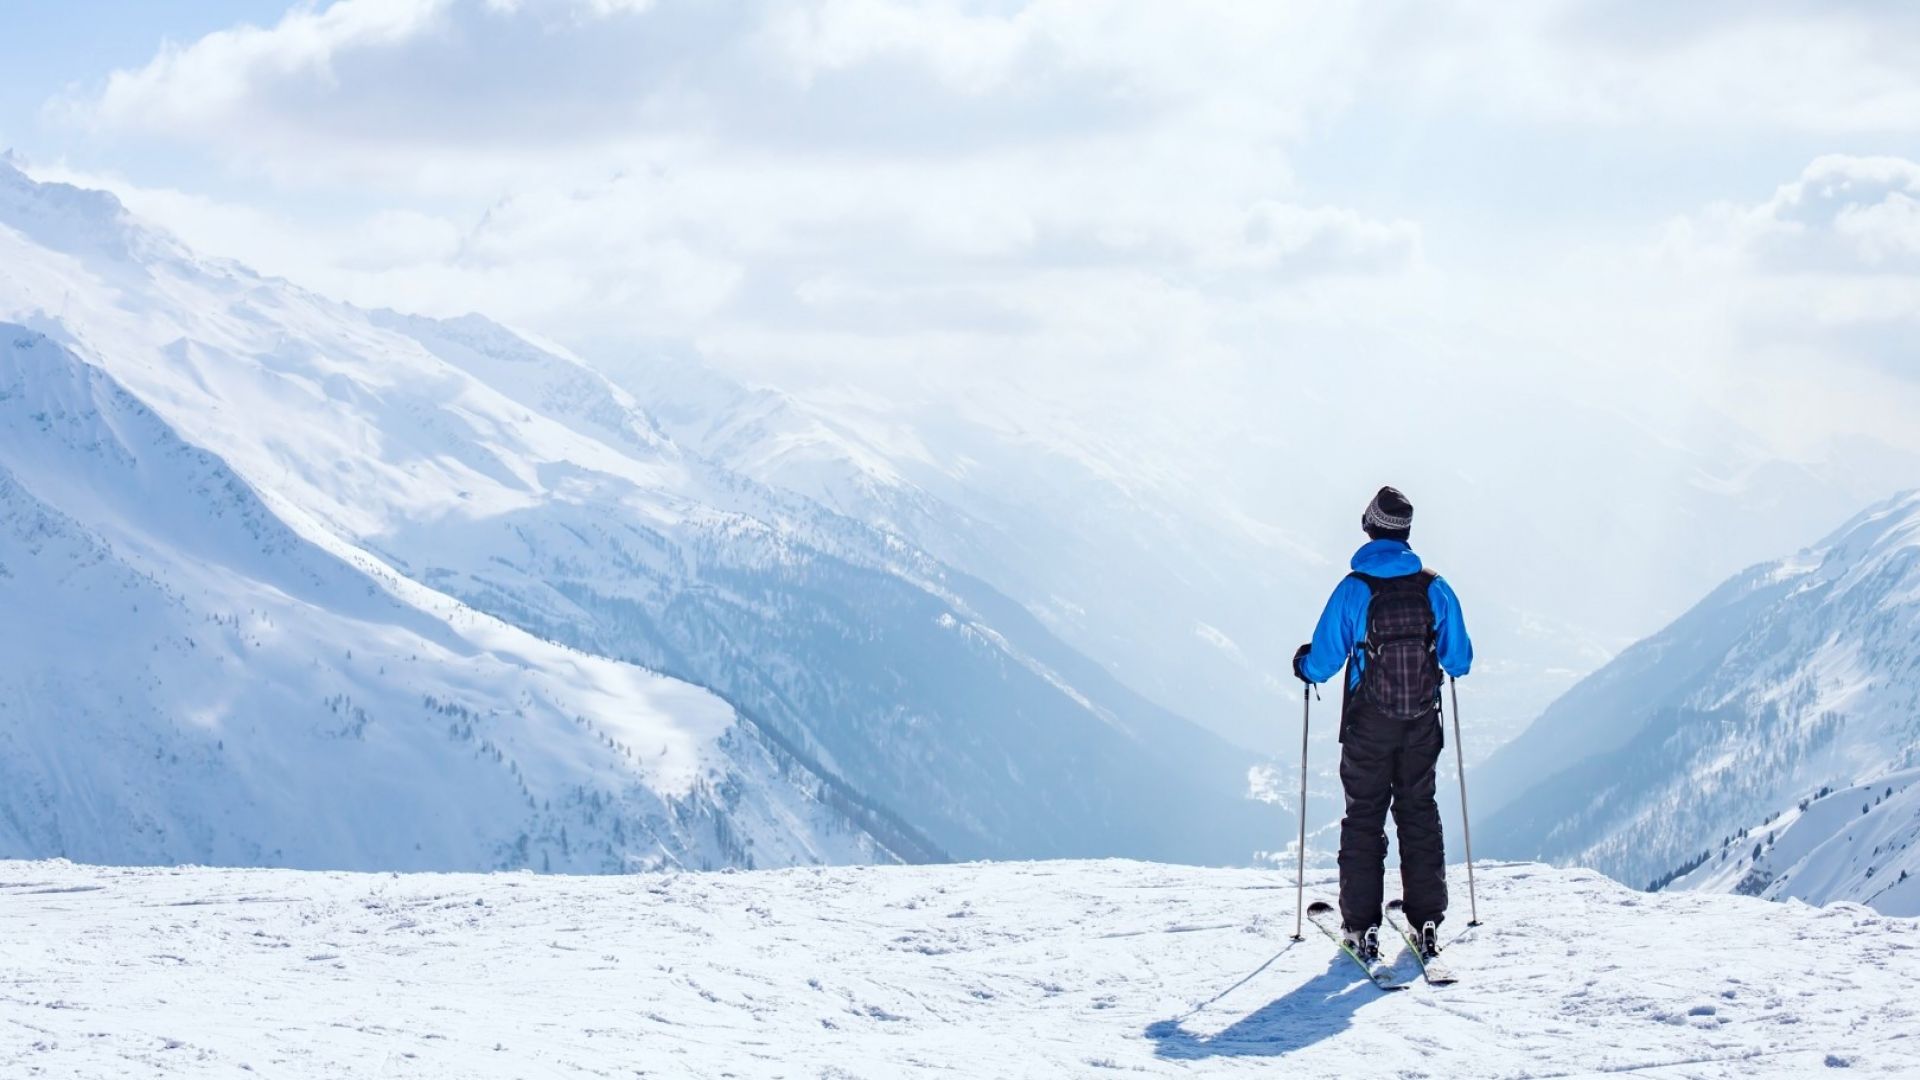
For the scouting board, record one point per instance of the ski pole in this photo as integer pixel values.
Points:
(1300, 868)
(1466, 828)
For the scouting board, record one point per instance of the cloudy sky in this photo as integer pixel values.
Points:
(1624, 286)
(1071, 183)
(1711, 205)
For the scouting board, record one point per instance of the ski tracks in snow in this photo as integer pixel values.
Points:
(985, 970)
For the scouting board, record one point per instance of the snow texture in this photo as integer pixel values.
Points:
(1858, 843)
(1066, 969)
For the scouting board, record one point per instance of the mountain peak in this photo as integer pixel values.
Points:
(57, 193)
(1893, 523)
(78, 221)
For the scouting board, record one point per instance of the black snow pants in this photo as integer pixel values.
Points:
(1388, 764)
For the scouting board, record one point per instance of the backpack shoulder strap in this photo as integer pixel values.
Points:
(1423, 578)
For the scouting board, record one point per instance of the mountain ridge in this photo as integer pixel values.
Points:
(1796, 677)
(259, 675)
(518, 482)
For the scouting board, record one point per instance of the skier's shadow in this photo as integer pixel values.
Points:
(1321, 1007)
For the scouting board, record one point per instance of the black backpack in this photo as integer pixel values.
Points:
(1400, 671)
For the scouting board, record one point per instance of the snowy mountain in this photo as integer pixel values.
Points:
(1046, 510)
(1767, 741)
(1858, 842)
(187, 678)
(1058, 969)
(457, 460)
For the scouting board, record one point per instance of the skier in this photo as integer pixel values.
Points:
(1395, 627)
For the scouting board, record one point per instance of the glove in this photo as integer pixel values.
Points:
(1300, 657)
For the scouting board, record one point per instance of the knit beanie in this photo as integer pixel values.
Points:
(1388, 516)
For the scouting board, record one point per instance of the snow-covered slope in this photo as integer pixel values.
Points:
(468, 460)
(1044, 508)
(185, 678)
(1861, 842)
(1050, 970)
(1794, 679)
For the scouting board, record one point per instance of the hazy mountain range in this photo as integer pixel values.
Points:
(315, 585)
(826, 691)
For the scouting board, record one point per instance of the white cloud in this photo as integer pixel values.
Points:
(1771, 65)
(1862, 213)
(1844, 217)
(1886, 233)
(1279, 235)
(625, 171)
(969, 54)
(332, 257)
(1211, 248)
(1148, 191)
(205, 87)
(1817, 291)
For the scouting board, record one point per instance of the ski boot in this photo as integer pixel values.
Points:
(1428, 939)
(1365, 944)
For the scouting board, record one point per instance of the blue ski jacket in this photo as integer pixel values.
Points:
(1344, 622)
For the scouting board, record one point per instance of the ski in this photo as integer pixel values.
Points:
(1435, 970)
(1322, 915)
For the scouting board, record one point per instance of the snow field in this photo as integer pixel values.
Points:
(1064, 969)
